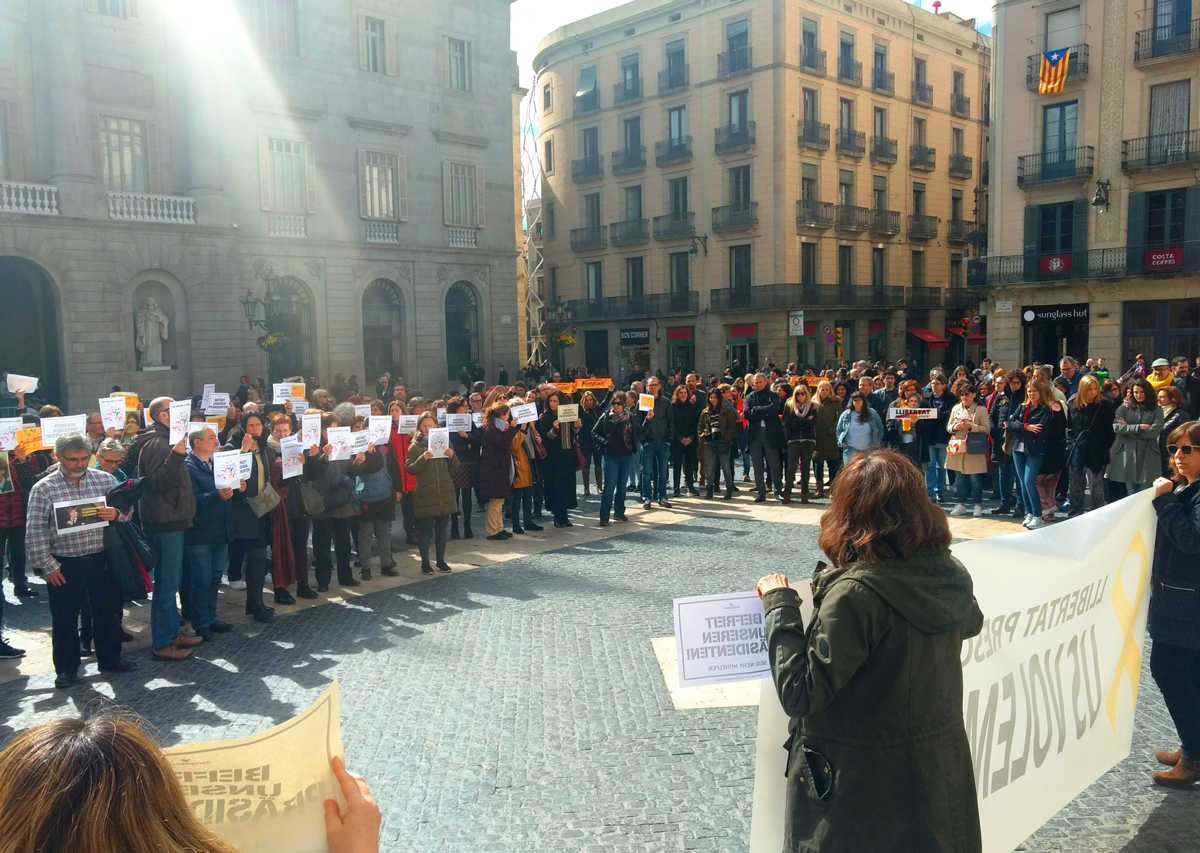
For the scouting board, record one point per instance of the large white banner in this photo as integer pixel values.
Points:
(1049, 685)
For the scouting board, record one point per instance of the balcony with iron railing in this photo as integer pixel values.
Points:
(734, 61)
(922, 227)
(883, 81)
(849, 217)
(634, 305)
(1077, 66)
(959, 230)
(760, 297)
(922, 158)
(673, 79)
(675, 226)
(924, 296)
(813, 215)
(629, 232)
(589, 238)
(812, 61)
(670, 151)
(960, 104)
(883, 150)
(813, 134)
(922, 93)
(731, 138)
(885, 223)
(960, 166)
(1180, 258)
(735, 217)
(587, 102)
(29, 199)
(849, 71)
(1049, 166)
(1163, 149)
(852, 143)
(1169, 41)
(587, 168)
(627, 91)
(627, 160)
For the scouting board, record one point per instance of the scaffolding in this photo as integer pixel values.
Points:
(531, 254)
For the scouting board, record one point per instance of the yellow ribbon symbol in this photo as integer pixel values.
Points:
(1130, 662)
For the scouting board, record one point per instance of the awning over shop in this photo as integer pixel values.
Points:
(971, 337)
(929, 338)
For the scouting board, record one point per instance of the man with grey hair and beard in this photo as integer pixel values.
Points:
(74, 564)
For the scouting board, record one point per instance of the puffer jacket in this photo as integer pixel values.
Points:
(435, 494)
(168, 503)
(1175, 594)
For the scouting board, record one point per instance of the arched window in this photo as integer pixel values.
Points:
(290, 315)
(383, 330)
(30, 343)
(462, 328)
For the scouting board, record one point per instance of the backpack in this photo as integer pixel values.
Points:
(371, 488)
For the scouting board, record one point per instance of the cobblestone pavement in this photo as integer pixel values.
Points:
(520, 707)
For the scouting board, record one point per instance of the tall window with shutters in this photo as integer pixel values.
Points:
(114, 8)
(286, 167)
(277, 23)
(382, 186)
(462, 194)
(459, 62)
(4, 168)
(123, 160)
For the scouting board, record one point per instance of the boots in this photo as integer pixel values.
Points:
(467, 532)
(1182, 775)
(820, 490)
(729, 493)
(587, 478)
(1169, 758)
(426, 568)
(804, 492)
(599, 480)
(454, 527)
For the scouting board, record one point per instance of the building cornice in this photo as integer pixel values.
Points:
(376, 126)
(449, 136)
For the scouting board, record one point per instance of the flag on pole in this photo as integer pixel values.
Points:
(1052, 75)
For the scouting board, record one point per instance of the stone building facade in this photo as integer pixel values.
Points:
(712, 167)
(339, 174)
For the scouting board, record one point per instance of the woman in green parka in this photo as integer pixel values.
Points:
(828, 455)
(435, 497)
(878, 757)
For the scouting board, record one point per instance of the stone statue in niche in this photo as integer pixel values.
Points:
(152, 327)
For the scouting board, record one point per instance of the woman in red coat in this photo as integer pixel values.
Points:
(400, 442)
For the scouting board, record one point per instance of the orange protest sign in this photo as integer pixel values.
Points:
(565, 387)
(813, 381)
(29, 438)
(219, 420)
(598, 384)
(793, 381)
(132, 403)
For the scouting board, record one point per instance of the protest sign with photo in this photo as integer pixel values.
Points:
(79, 515)
(6, 482)
(291, 454)
(339, 440)
(8, 433)
(18, 384)
(29, 438)
(310, 430)
(645, 402)
(180, 414)
(477, 419)
(441, 417)
(112, 412)
(380, 428)
(206, 395)
(225, 469)
(439, 440)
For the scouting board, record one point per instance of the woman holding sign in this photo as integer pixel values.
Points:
(878, 757)
(251, 517)
(559, 440)
(436, 497)
(495, 466)
(593, 453)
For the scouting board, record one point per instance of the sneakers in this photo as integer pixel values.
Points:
(237, 584)
(664, 503)
(978, 511)
(442, 567)
(647, 505)
(8, 652)
(1001, 510)
(959, 511)
(1035, 523)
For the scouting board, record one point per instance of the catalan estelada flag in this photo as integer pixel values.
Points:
(1052, 75)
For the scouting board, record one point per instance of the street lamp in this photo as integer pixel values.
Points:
(698, 240)
(250, 304)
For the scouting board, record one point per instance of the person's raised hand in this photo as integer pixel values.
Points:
(180, 446)
(354, 829)
(770, 582)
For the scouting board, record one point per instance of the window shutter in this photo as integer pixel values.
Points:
(1191, 229)
(1032, 225)
(1079, 241)
(392, 47)
(480, 196)
(310, 176)
(401, 187)
(155, 179)
(447, 200)
(362, 183)
(360, 21)
(264, 173)
(1135, 233)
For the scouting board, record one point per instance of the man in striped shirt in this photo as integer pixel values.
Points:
(74, 564)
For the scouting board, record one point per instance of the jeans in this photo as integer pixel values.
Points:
(743, 443)
(521, 498)
(684, 461)
(765, 456)
(1176, 671)
(337, 531)
(1086, 481)
(616, 474)
(819, 464)
(654, 471)
(935, 470)
(1028, 466)
(969, 488)
(168, 575)
(381, 531)
(718, 459)
(1008, 484)
(208, 563)
(635, 468)
(88, 584)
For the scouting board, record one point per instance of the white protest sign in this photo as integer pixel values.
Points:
(919, 414)
(280, 778)
(225, 469)
(181, 413)
(458, 423)
(360, 441)
(477, 419)
(1049, 685)
(23, 384)
(362, 410)
(568, 413)
(525, 413)
(112, 412)
(8, 432)
(720, 638)
(218, 404)
(407, 424)
(54, 428)
(339, 439)
(206, 395)
(439, 440)
(245, 466)
(380, 428)
(291, 454)
(281, 392)
(645, 402)
(310, 430)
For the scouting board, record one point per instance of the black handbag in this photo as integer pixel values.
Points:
(977, 442)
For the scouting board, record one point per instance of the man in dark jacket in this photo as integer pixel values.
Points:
(655, 434)
(762, 408)
(206, 542)
(881, 399)
(934, 436)
(166, 509)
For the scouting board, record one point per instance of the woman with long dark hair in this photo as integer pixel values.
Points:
(684, 417)
(466, 450)
(559, 466)
(1004, 402)
(859, 429)
(874, 684)
(1135, 461)
(717, 429)
(593, 453)
(251, 531)
(495, 467)
(829, 409)
(1027, 423)
(617, 434)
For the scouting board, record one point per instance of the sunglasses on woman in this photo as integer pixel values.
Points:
(1186, 448)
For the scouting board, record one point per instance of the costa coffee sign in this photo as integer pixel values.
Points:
(1163, 259)
(1054, 264)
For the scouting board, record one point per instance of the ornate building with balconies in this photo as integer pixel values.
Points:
(790, 172)
(255, 167)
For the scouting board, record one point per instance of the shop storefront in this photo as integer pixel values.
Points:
(741, 347)
(635, 354)
(681, 348)
(595, 351)
(967, 342)
(1049, 332)
(926, 348)
(808, 345)
(1163, 328)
